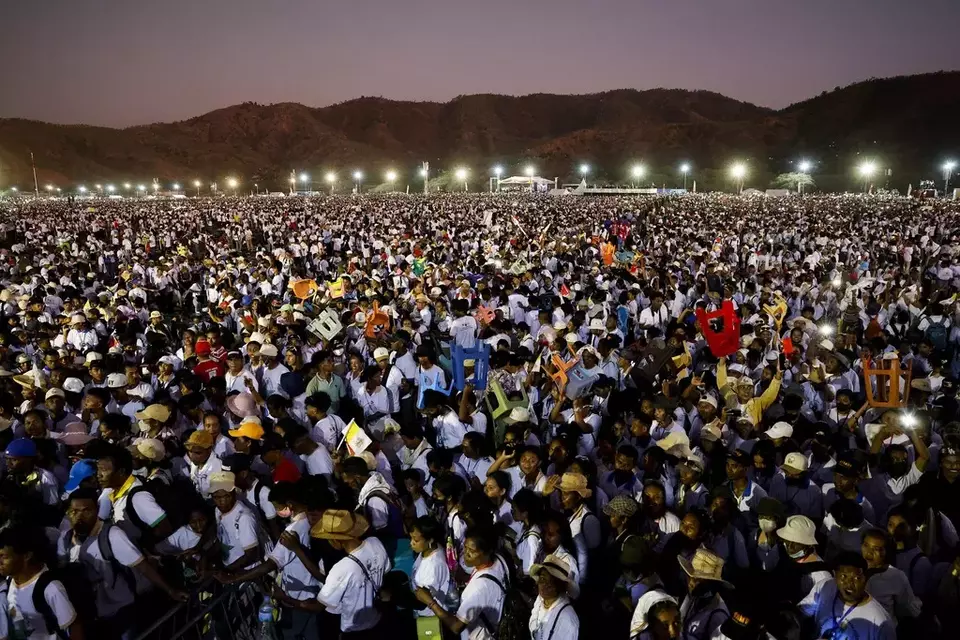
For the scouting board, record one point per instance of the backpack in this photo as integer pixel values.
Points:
(172, 498)
(79, 592)
(120, 572)
(514, 616)
(395, 528)
(936, 333)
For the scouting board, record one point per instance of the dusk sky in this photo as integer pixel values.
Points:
(134, 62)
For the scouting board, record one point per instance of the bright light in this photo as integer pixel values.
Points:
(685, 168)
(738, 171)
(49, 187)
(498, 171)
(196, 183)
(826, 330)
(867, 169)
(358, 175)
(391, 176)
(14, 189)
(584, 169)
(126, 185)
(111, 188)
(908, 421)
(331, 177)
(837, 282)
(156, 186)
(304, 177)
(637, 171)
(949, 165)
(423, 173)
(232, 183)
(805, 166)
(461, 174)
(530, 171)
(176, 187)
(100, 187)
(141, 187)
(82, 189)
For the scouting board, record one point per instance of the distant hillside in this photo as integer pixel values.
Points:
(907, 123)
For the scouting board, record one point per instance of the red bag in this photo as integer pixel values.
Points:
(726, 341)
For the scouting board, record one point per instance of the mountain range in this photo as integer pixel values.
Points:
(908, 125)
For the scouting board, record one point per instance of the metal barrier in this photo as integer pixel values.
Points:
(213, 612)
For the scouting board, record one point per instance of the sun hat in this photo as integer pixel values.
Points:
(150, 448)
(622, 505)
(795, 461)
(243, 405)
(556, 567)
(575, 483)
(338, 524)
(74, 434)
(158, 412)
(155, 314)
(200, 439)
(222, 481)
(257, 337)
(799, 529)
(80, 471)
(705, 565)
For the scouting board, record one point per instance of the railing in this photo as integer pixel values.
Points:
(213, 612)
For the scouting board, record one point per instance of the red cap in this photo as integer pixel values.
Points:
(202, 348)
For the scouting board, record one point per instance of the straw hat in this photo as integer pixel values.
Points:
(556, 567)
(575, 482)
(705, 565)
(337, 524)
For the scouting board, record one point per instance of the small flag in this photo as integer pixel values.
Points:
(356, 438)
(335, 288)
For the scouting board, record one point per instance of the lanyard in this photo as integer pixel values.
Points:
(839, 622)
(124, 490)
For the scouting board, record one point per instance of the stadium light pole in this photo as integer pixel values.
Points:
(637, 172)
(805, 166)
(176, 187)
(948, 168)
(82, 189)
(111, 188)
(739, 172)
(126, 186)
(197, 184)
(685, 169)
(305, 179)
(391, 177)
(584, 171)
(462, 174)
(233, 183)
(497, 171)
(358, 178)
(141, 188)
(331, 178)
(867, 169)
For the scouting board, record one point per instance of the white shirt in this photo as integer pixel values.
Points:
(295, 580)
(200, 476)
(483, 596)
(464, 332)
(27, 622)
(433, 574)
(144, 504)
(450, 430)
(349, 591)
(238, 533)
(271, 380)
(110, 598)
(318, 463)
(557, 622)
(327, 431)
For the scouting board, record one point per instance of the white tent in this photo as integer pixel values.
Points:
(525, 181)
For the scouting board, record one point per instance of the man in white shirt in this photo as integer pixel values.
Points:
(237, 527)
(272, 371)
(316, 459)
(353, 583)
(656, 316)
(201, 463)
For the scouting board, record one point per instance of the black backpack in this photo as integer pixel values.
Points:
(173, 498)
(79, 592)
(515, 614)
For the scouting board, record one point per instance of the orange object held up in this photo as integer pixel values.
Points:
(887, 385)
(378, 322)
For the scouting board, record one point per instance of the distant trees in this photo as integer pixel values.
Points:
(794, 181)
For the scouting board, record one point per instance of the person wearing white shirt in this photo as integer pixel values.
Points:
(463, 329)
(353, 582)
(553, 616)
(316, 459)
(237, 527)
(272, 371)
(430, 570)
(327, 427)
(656, 316)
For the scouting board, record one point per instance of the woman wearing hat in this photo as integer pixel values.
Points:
(703, 609)
(584, 525)
(553, 616)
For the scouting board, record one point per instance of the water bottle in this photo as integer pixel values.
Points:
(266, 627)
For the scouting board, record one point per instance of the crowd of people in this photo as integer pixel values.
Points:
(483, 416)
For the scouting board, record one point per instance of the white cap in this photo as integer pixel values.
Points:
(93, 356)
(116, 381)
(709, 399)
(380, 353)
(73, 385)
(257, 337)
(54, 393)
(269, 350)
(518, 414)
(795, 461)
(780, 430)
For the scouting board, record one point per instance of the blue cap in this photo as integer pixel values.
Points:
(246, 301)
(22, 448)
(79, 472)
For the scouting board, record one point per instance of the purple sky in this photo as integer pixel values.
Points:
(134, 62)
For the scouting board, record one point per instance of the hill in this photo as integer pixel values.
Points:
(907, 123)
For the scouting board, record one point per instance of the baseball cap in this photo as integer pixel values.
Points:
(73, 385)
(710, 432)
(202, 347)
(380, 353)
(22, 448)
(80, 471)
(158, 412)
(116, 381)
(269, 350)
(222, 481)
(151, 449)
(780, 430)
(236, 462)
(248, 429)
(92, 357)
(56, 393)
(201, 439)
(795, 461)
(741, 457)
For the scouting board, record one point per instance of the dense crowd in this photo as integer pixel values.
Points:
(501, 416)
